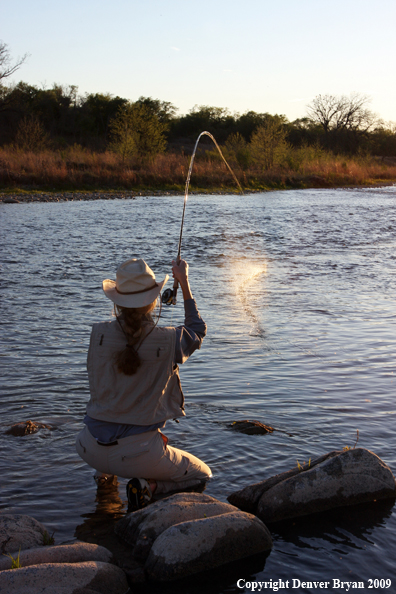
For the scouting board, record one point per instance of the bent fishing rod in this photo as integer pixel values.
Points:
(169, 295)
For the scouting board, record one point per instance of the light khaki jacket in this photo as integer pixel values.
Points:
(150, 396)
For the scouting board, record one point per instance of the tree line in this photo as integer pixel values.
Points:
(35, 119)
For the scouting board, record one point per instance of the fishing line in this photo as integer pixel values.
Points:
(169, 296)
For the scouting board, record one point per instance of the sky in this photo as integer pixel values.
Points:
(270, 56)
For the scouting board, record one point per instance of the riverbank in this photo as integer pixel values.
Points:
(77, 174)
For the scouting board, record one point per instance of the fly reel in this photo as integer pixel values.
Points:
(167, 296)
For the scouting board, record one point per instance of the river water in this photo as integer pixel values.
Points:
(298, 290)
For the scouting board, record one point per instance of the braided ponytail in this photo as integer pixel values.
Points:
(131, 321)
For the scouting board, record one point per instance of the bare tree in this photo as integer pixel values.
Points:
(7, 68)
(31, 135)
(341, 113)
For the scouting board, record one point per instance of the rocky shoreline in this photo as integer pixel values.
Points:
(186, 535)
(17, 197)
(76, 196)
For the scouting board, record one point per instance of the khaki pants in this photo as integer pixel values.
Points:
(146, 455)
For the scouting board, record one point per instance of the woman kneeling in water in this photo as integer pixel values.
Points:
(135, 388)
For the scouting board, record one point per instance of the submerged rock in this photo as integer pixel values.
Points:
(251, 427)
(191, 547)
(334, 480)
(26, 428)
(91, 577)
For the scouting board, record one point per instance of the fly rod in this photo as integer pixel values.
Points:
(168, 297)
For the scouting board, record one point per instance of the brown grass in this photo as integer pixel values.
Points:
(76, 168)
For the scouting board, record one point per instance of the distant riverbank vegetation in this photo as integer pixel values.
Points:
(57, 139)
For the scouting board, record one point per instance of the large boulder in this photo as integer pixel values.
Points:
(76, 552)
(92, 577)
(141, 528)
(247, 498)
(334, 480)
(188, 533)
(194, 546)
(20, 532)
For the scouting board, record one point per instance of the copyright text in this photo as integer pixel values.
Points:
(334, 584)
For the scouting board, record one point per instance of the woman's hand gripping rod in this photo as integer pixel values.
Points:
(180, 274)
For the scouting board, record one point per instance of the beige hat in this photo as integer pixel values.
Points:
(135, 285)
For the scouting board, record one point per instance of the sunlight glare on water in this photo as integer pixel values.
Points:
(243, 276)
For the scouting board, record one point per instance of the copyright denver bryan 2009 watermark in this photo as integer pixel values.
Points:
(334, 584)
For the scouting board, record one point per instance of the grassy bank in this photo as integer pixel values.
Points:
(77, 169)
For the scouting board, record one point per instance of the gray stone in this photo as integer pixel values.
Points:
(9, 200)
(141, 528)
(247, 498)
(20, 532)
(126, 528)
(91, 577)
(334, 480)
(68, 553)
(200, 545)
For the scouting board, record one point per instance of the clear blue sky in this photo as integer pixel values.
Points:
(264, 55)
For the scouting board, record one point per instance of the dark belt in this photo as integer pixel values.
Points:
(110, 443)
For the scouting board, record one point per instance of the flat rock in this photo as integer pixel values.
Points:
(337, 479)
(194, 546)
(8, 200)
(68, 553)
(20, 532)
(91, 577)
(141, 528)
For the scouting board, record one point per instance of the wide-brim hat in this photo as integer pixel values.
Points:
(135, 285)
